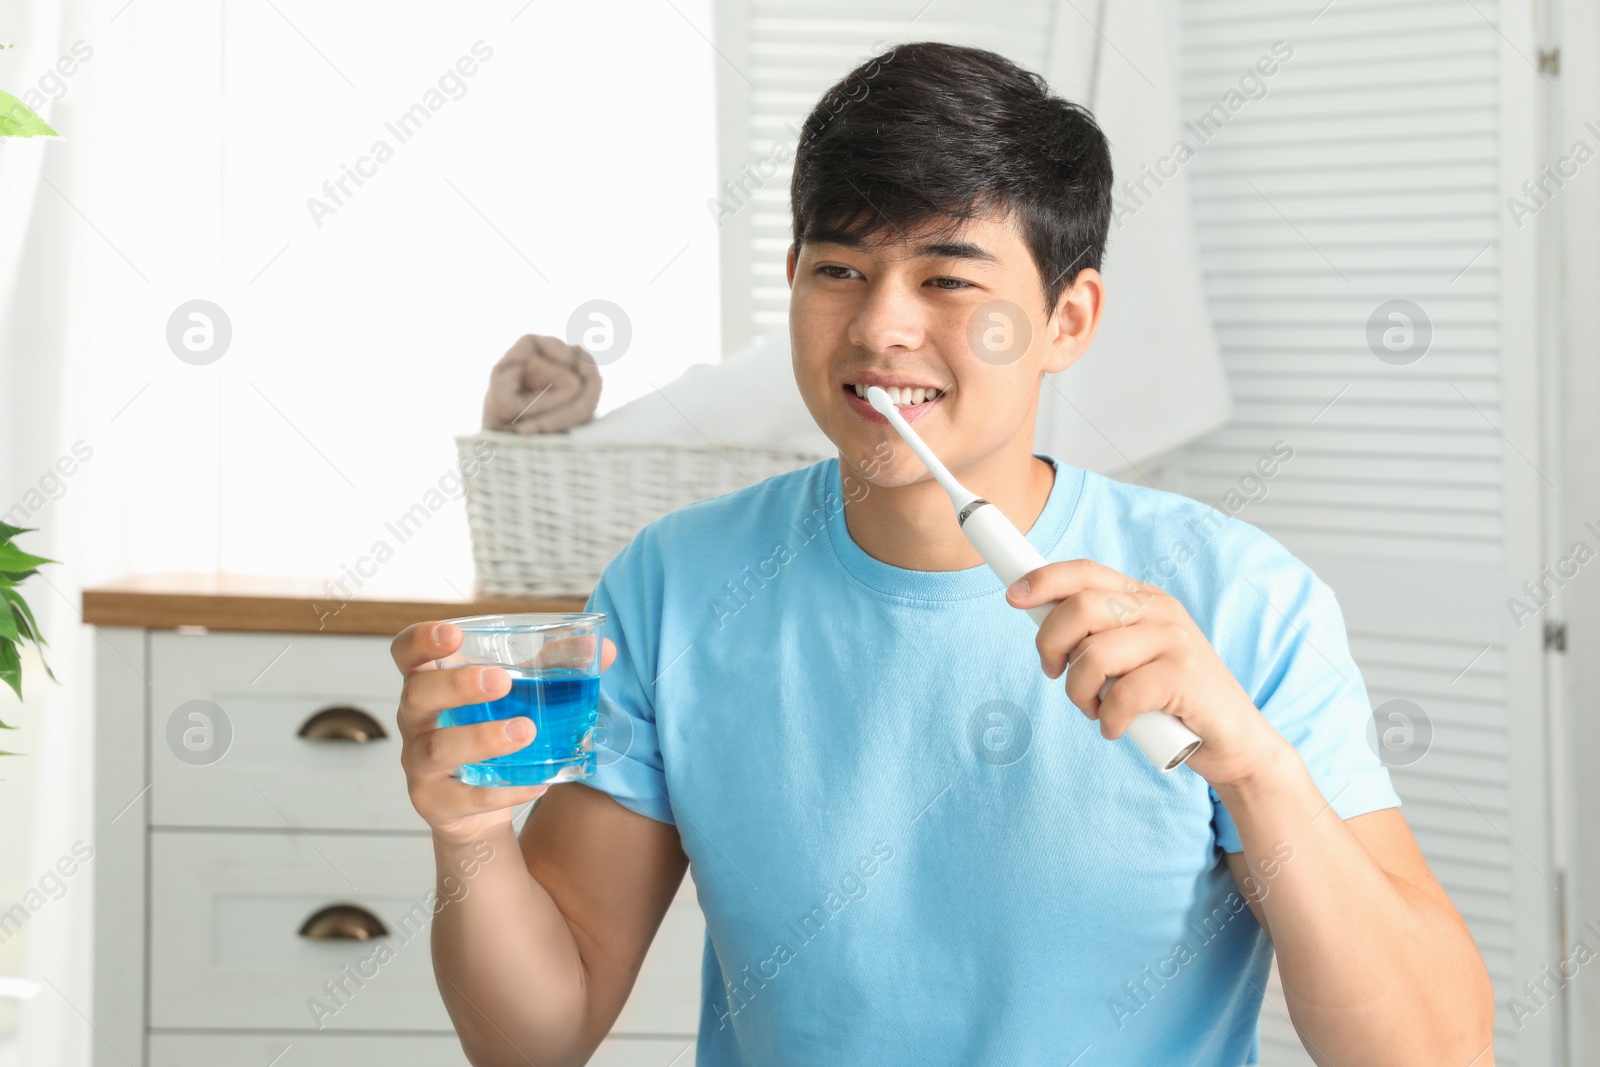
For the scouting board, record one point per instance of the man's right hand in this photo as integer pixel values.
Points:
(431, 754)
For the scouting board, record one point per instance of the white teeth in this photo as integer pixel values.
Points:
(902, 397)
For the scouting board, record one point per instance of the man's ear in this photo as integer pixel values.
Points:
(1076, 320)
(794, 258)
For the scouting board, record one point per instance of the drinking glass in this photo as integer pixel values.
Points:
(554, 663)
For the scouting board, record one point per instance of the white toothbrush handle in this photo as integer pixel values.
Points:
(1162, 738)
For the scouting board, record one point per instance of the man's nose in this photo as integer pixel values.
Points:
(889, 317)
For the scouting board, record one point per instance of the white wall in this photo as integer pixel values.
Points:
(1374, 166)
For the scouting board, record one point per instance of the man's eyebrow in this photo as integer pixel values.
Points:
(928, 249)
(955, 250)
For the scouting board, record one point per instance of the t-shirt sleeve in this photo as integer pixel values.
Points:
(1308, 686)
(628, 763)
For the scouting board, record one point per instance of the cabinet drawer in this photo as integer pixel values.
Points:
(226, 952)
(228, 711)
(345, 1050)
(225, 947)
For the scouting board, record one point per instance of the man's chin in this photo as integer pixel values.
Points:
(890, 466)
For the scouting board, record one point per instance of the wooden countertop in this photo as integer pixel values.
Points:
(291, 605)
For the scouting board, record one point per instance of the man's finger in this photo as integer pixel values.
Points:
(576, 651)
(1057, 581)
(418, 645)
(425, 694)
(1146, 688)
(1080, 616)
(439, 752)
(1111, 654)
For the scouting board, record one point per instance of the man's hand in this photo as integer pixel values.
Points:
(430, 754)
(1109, 626)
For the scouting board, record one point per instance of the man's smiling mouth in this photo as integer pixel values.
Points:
(902, 396)
(905, 390)
(911, 400)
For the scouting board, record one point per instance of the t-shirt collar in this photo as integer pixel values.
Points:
(1045, 535)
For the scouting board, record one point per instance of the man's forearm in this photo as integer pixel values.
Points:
(506, 962)
(1376, 971)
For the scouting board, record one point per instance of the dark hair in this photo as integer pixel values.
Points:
(932, 129)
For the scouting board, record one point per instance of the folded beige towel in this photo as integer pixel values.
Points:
(541, 385)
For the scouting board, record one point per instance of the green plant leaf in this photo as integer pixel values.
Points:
(27, 622)
(7, 531)
(9, 631)
(11, 667)
(19, 607)
(48, 672)
(19, 120)
(13, 558)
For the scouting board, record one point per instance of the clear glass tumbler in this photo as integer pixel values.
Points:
(554, 663)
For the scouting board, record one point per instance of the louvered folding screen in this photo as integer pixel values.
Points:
(1376, 168)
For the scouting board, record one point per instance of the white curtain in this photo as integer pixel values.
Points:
(44, 275)
(1153, 380)
(95, 224)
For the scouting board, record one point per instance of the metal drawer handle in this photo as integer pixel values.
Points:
(342, 723)
(343, 922)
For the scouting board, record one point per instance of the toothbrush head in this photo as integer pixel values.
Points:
(960, 496)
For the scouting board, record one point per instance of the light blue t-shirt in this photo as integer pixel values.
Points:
(909, 846)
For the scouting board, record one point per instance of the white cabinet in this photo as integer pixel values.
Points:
(251, 792)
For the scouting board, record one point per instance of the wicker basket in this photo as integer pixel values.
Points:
(547, 513)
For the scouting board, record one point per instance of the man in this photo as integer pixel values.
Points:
(910, 845)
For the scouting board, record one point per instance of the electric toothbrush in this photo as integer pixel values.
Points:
(1162, 738)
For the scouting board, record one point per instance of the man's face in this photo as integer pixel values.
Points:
(963, 315)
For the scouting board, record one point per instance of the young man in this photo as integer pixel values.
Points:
(915, 831)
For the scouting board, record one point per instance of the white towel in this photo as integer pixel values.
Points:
(1153, 379)
(750, 398)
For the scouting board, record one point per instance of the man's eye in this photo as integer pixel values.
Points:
(829, 271)
(953, 283)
